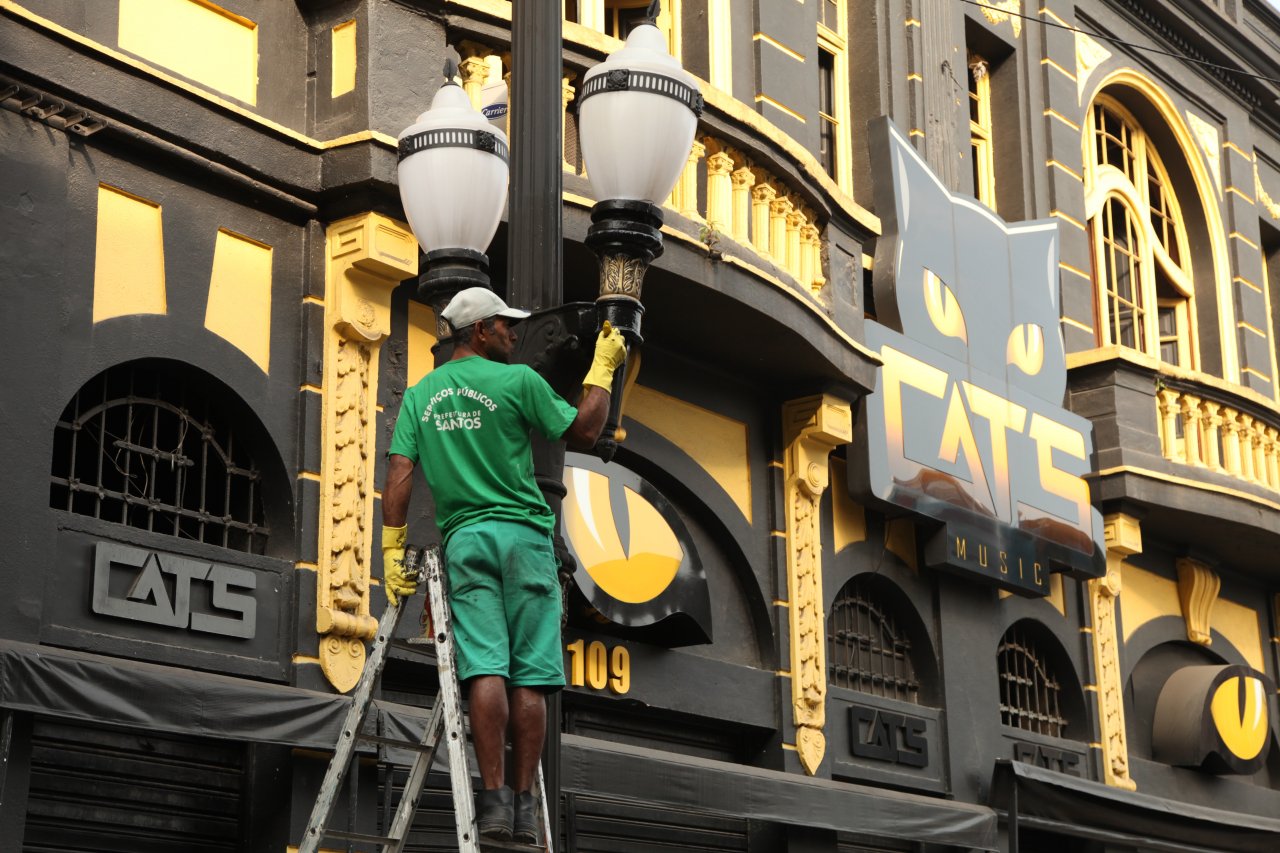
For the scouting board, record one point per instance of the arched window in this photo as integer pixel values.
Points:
(149, 444)
(867, 648)
(1030, 688)
(1141, 261)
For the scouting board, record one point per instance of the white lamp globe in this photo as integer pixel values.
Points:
(453, 173)
(636, 120)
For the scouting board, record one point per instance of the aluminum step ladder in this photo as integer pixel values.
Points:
(446, 722)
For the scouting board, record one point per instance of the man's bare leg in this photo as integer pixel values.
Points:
(528, 732)
(489, 713)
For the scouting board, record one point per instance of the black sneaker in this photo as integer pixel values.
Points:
(495, 810)
(526, 828)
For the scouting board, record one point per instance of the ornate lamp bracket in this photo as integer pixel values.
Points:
(367, 256)
(812, 427)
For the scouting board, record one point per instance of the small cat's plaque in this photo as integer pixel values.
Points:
(966, 425)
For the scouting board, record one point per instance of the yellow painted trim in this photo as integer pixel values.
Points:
(773, 463)
(306, 564)
(312, 388)
(312, 300)
(309, 475)
(1060, 117)
(789, 746)
(916, 132)
(1231, 146)
(1241, 324)
(1068, 219)
(1054, 164)
(1070, 321)
(342, 54)
(1094, 745)
(911, 22)
(421, 338)
(762, 98)
(1250, 199)
(1236, 235)
(1239, 279)
(719, 44)
(1049, 13)
(772, 42)
(778, 602)
(1075, 271)
(306, 659)
(1184, 481)
(913, 77)
(1086, 630)
(1242, 628)
(1257, 373)
(1090, 688)
(1068, 74)
(1146, 596)
(779, 533)
(128, 261)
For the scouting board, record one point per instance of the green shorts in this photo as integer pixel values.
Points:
(505, 598)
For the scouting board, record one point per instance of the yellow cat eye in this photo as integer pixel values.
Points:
(1026, 348)
(943, 307)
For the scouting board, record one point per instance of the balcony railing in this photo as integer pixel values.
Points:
(1206, 429)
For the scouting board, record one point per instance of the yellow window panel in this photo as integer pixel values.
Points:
(239, 308)
(128, 266)
(198, 40)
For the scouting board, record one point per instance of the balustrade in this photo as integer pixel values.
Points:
(1219, 437)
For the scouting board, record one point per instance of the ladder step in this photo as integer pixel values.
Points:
(489, 844)
(343, 835)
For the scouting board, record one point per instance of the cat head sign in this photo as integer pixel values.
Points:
(966, 425)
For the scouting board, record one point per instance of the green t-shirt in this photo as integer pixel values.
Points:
(468, 422)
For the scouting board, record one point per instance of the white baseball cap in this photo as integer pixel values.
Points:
(478, 303)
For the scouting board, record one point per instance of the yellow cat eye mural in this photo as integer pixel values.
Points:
(637, 567)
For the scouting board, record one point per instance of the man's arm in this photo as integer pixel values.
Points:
(582, 434)
(399, 487)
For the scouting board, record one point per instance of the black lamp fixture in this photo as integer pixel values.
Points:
(453, 176)
(637, 116)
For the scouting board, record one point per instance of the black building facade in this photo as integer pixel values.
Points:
(945, 513)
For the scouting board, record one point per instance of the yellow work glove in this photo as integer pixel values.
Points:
(610, 351)
(394, 580)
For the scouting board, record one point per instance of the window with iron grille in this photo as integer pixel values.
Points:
(151, 445)
(1030, 691)
(867, 651)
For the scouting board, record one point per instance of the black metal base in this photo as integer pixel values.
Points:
(624, 314)
(626, 227)
(450, 271)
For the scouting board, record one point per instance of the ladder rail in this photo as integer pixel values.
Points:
(451, 697)
(322, 811)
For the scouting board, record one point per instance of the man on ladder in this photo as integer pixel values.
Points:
(468, 422)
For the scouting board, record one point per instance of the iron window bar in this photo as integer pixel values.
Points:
(1029, 694)
(129, 449)
(865, 649)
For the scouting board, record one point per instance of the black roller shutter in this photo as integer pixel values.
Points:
(98, 790)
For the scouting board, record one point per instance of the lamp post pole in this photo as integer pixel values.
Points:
(534, 247)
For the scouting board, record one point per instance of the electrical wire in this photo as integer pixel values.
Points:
(1123, 43)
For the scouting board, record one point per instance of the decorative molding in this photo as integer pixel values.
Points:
(999, 11)
(368, 255)
(622, 275)
(812, 427)
(1089, 55)
(1210, 143)
(1198, 587)
(1264, 199)
(1123, 536)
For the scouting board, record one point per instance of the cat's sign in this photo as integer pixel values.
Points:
(966, 426)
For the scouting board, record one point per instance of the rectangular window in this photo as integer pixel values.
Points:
(829, 14)
(980, 135)
(828, 126)
(1170, 341)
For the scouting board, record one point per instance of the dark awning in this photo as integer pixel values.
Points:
(596, 767)
(113, 691)
(1040, 798)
